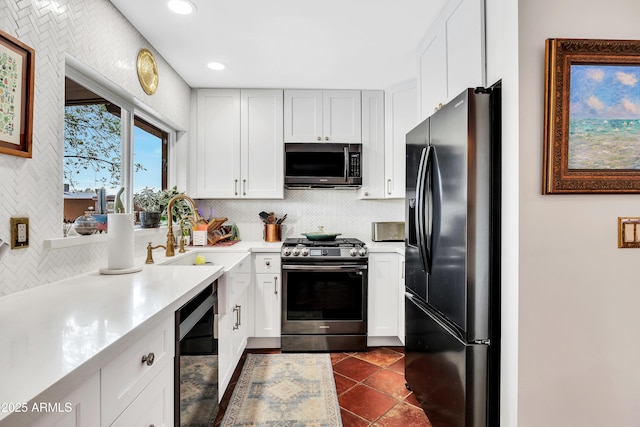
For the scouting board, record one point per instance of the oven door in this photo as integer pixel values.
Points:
(324, 298)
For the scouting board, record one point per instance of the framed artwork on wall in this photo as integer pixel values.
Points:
(16, 96)
(591, 116)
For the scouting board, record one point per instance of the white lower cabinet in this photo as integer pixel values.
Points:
(268, 295)
(232, 340)
(154, 406)
(384, 293)
(136, 388)
(125, 377)
(235, 325)
(268, 305)
(80, 408)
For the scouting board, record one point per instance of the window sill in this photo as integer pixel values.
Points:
(78, 240)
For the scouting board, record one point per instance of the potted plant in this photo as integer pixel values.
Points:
(150, 204)
(180, 208)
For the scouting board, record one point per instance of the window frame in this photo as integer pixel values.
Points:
(131, 108)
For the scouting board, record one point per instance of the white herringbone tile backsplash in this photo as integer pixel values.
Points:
(339, 211)
(95, 33)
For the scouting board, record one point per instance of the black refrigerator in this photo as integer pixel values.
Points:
(452, 254)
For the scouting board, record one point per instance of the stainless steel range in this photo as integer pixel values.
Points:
(324, 295)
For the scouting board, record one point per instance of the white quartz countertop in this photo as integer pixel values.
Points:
(55, 336)
(389, 247)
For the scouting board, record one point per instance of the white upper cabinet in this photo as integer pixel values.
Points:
(261, 147)
(217, 146)
(432, 71)
(386, 118)
(238, 151)
(494, 18)
(303, 116)
(401, 116)
(451, 57)
(322, 116)
(372, 145)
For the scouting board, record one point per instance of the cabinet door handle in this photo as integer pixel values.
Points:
(319, 139)
(235, 187)
(267, 263)
(275, 285)
(326, 138)
(244, 187)
(239, 315)
(235, 309)
(388, 186)
(148, 359)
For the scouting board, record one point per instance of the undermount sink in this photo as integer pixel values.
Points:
(226, 259)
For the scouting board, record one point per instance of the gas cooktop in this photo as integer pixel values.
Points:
(302, 248)
(342, 242)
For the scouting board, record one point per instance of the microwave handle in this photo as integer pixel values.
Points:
(346, 163)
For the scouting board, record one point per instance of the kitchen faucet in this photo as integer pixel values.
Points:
(171, 240)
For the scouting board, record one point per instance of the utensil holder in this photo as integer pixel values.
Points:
(272, 232)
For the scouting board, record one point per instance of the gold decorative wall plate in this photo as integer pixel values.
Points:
(147, 71)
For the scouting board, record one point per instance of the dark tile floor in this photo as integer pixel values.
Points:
(371, 389)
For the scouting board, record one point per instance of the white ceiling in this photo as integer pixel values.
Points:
(333, 44)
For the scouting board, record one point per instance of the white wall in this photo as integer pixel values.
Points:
(577, 292)
(96, 34)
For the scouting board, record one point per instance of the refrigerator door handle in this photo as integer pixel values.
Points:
(435, 203)
(420, 207)
(425, 184)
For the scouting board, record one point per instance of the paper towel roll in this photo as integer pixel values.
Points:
(121, 241)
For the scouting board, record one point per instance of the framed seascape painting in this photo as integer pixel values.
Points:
(592, 116)
(16, 96)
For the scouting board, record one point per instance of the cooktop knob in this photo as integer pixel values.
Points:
(353, 252)
(362, 251)
(295, 252)
(304, 252)
(286, 251)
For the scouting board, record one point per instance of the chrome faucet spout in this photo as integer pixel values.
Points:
(171, 240)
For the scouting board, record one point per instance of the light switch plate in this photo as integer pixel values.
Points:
(19, 232)
(629, 232)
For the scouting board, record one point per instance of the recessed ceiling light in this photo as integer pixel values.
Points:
(216, 66)
(182, 7)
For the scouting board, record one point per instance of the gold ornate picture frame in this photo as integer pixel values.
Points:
(16, 96)
(591, 116)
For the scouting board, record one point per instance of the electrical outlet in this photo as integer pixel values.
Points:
(19, 232)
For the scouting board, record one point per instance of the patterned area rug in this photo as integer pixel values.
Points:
(285, 390)
(198, 390)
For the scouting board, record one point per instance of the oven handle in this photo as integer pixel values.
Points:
(324, 267)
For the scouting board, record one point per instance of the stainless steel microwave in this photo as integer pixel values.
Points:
(322, 165)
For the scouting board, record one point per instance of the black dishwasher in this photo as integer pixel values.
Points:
(196, 360)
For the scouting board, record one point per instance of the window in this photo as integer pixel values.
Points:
(150, 150)
(98, 151)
